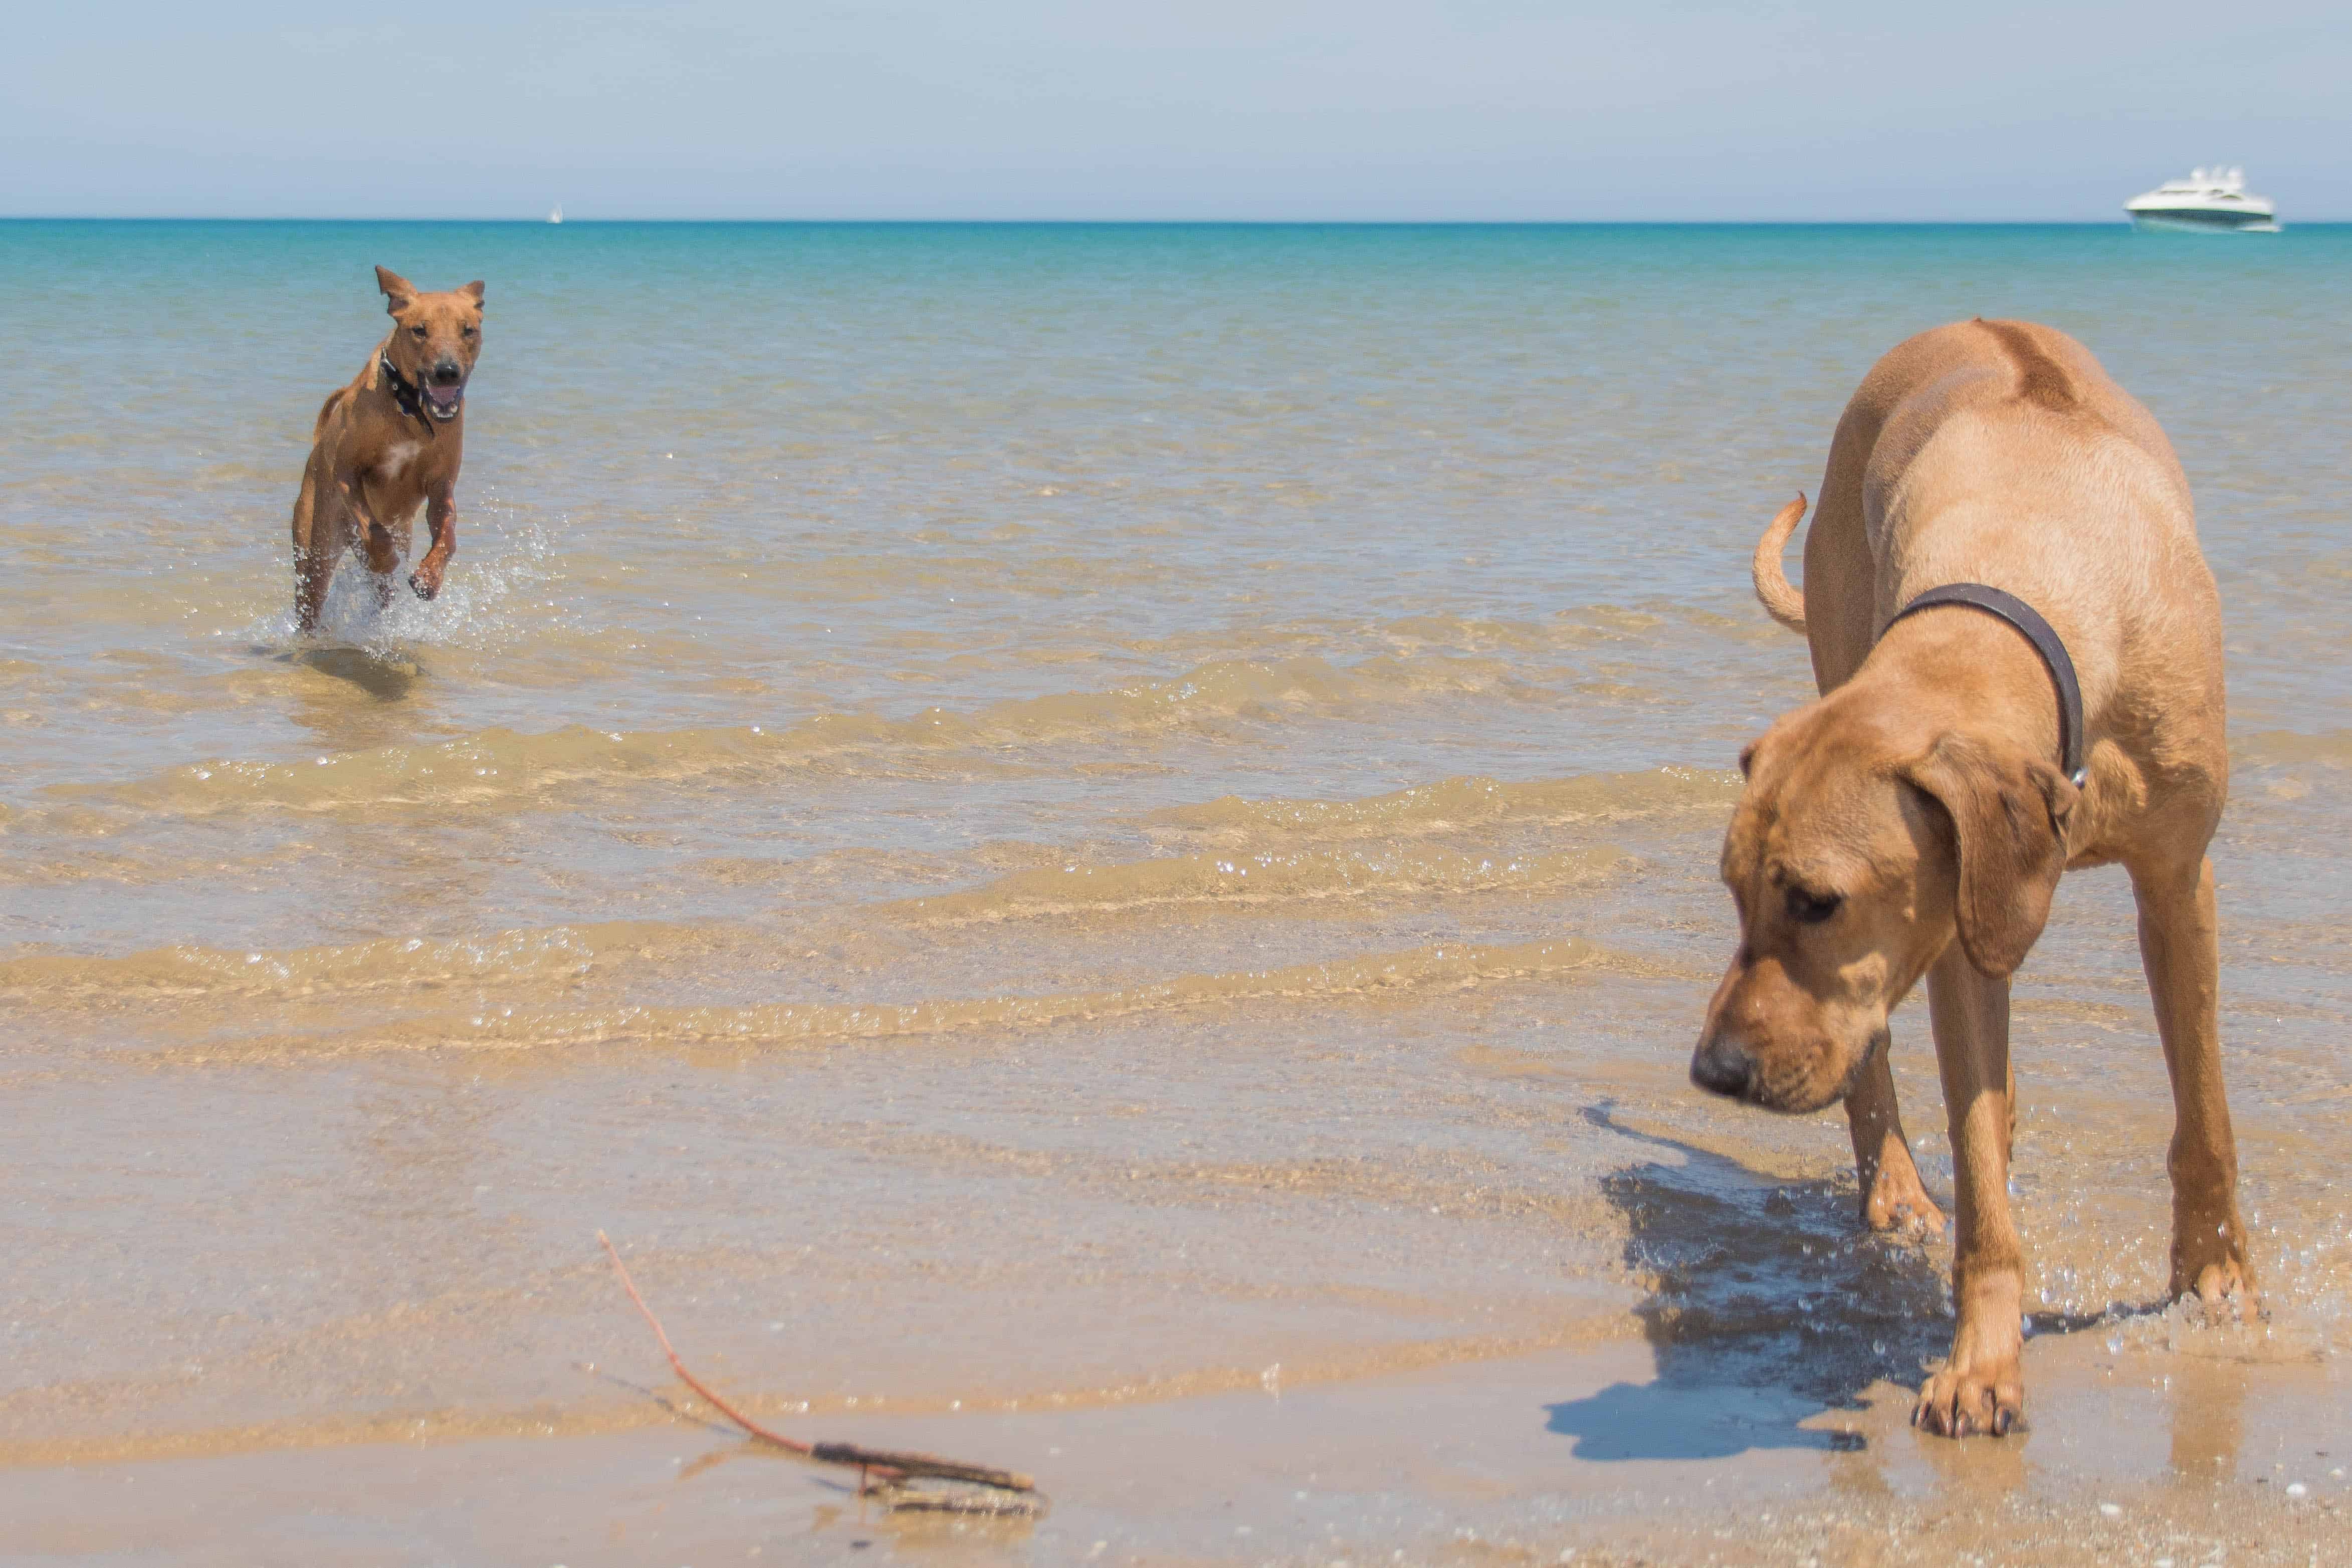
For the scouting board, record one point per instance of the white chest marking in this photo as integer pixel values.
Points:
(397, 458)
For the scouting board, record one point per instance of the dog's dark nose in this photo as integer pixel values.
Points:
(447, 372)
(1721, 1067)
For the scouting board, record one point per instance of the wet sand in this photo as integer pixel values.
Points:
(1607, 1456)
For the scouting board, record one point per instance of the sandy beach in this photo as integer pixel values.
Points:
(2142, 1455)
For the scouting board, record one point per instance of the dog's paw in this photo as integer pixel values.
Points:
(2225, 1292)
(1972, 1402)
(1897, 1202)
(425, 586)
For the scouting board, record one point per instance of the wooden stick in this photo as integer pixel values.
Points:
(891, 1466)
(749, 1425)
(886, 1461)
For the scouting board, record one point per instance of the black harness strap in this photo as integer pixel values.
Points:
(2046, 642)
(406, 392)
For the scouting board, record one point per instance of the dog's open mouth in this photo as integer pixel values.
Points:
(443, 400)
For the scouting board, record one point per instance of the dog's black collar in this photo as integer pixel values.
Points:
(406, 392)
(2046, 642)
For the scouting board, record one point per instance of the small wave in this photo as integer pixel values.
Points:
(96, 861)
(387, 964)
(796, 1024)
(1450, 804)
(1565, 632)
(2274, 747)
(1254, 879)
(1479, 634)
(498, 764)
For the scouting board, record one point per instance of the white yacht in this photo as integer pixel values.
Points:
(556, 215)
(2209, 201)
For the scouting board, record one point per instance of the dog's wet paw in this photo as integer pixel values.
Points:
(1897, 1202)
(1970, 1403)
(2224, 1293)
(425, 586)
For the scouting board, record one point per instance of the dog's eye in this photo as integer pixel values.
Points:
(465, 331)
(1812, 908)
(417, 331)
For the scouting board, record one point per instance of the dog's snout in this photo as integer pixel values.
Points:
(447, 372)
(1722, 1066)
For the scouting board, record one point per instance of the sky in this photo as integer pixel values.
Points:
(1254, 110)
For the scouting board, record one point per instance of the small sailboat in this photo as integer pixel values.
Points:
(555, 213)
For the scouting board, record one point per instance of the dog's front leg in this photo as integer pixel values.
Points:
(441, 521)
(2179, 949)
(1893, 1197)
(1981, 1388)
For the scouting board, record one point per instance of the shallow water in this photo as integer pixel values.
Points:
(1038, 816)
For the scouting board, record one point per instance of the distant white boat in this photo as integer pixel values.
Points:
(555, 213)
(2209, 201)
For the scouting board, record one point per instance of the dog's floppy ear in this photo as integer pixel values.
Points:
(474, 291)
(398, 292)
(2009, 816)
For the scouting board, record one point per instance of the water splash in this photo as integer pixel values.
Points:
(495, 598)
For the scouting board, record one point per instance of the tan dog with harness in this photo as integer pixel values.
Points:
(390, 442)
(2018, 647)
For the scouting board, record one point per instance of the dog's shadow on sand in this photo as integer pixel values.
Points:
(387, 680)
(366, 697)
(1768, 1304)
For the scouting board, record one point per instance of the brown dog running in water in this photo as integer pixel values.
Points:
(1912, 823)
(385, 444)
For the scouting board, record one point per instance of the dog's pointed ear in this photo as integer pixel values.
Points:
(474, 291)
(398, 292)
(2008, 813)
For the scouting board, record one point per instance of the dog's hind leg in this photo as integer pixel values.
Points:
(1981, 1388)
(318, 544)
(2179, 949)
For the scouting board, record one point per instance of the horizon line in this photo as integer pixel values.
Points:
(2123, 223)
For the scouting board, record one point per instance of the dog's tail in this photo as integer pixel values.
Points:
(1781, 601)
